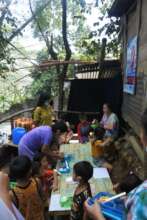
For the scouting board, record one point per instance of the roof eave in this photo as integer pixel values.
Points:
(120, 7)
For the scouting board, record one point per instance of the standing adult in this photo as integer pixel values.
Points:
(136, 201)
(43, 112)
(110, 122)
(39, 139)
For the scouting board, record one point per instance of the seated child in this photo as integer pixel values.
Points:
(82, 173)
(97, 148)
(27, 194)
(43, 170)
(83, 129)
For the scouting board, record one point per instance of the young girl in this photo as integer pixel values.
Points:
(27, 194)
(82, 173)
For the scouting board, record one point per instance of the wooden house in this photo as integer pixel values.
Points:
(133, 16)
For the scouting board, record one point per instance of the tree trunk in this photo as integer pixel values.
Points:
(61, 72)
(62, 76)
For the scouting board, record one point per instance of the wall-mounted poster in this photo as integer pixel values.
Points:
(131, 67)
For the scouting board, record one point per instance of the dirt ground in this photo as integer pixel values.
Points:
(126, 161)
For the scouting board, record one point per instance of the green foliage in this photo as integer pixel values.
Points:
(50, 22)
(45, 81)
(42, 55)
(48, 27)
(90, 50)
(84, 43)
(10, 93)
(8, 24)
(108, 27)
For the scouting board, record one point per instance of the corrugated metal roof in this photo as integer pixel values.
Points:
(120, 7)
(107, 70)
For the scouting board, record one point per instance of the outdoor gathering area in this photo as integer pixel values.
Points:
(73, 110)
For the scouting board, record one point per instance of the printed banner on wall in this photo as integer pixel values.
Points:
(131, 67)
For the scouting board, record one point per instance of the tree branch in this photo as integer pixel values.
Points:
(65, 40)
(67, 51)
(15, 33)
(35, 18)
(18, 50)
(48, 44)
(51, 49)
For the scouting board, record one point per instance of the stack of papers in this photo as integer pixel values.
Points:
(100, 173)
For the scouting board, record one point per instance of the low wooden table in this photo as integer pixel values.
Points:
(66, 188)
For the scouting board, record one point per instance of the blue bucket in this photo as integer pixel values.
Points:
(17, 134)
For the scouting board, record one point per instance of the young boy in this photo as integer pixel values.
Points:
(82, 173)
(26, 195)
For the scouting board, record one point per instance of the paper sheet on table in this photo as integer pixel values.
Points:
(55, 204)
(69, 180)
(100, 173)
(74, 141)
